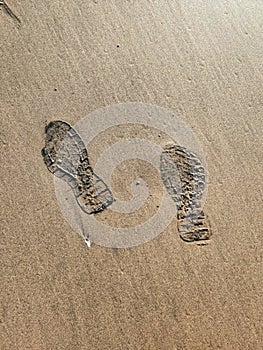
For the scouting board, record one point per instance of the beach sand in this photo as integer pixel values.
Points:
(203, 61)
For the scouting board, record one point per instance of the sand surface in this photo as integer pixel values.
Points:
(200, 59)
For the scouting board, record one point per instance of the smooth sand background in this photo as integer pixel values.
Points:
(201, 59)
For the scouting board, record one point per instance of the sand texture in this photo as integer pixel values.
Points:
(61, 60)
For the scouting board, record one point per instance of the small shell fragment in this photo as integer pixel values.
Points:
(88, 242)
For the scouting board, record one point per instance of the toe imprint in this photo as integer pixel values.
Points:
(184, 179)
(66, 156)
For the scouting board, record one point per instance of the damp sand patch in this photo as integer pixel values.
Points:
(66, 156)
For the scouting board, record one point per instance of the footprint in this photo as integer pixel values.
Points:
(66, 156)
(183, 176)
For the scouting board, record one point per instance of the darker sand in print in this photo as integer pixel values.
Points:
(66, 156)
(183, 176)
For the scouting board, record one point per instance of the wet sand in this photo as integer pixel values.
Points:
(63, 60)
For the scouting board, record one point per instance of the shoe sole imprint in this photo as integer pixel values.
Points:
(66, 156)
(184, 178)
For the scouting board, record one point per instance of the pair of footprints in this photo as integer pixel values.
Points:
(182, 173)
